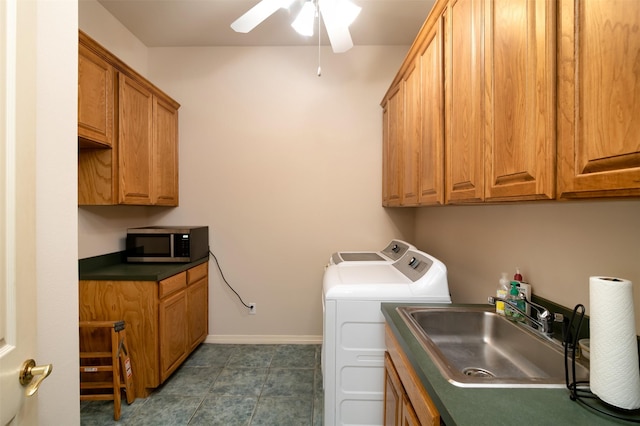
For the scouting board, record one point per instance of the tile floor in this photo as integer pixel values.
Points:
(229, 385)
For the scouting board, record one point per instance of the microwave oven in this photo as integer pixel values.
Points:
(180, 244)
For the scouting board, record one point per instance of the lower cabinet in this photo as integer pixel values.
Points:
(397, 407)
(165, 320)
(173, 332)
(406, 402)
(198, 304)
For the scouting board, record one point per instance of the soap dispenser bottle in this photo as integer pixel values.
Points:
(515, 298)
(502, 292)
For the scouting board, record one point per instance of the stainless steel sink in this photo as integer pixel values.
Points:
(475, 347)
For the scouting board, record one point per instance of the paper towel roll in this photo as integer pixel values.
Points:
(614, 376)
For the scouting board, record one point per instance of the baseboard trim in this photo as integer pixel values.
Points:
(264, 339)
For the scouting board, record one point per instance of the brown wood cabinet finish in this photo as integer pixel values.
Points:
(96, 92)
(406, 402)
(464, 152)
(412, 134)
(599, 99)
(393, 393)
(539, 104)
(431, 151)
(519, 103)
(409, 415)
(392, 132)
(198, 303)
(165, 153)
(173, 325)
(135, 118)
(413, 122)
(165, 320)
(141, 167)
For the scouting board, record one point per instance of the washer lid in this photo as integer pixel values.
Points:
(392, 252)
(354, 256)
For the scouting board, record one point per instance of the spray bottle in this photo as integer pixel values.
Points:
(502, 292)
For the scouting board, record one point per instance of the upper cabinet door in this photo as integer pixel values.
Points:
(412, 128)
(519, 40)
(165, 153)
(393, 119)
(599, 98)
(432, 143)
(96, 93)
(464, 151)
(135, 142)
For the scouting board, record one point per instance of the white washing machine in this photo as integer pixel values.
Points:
(353, 338)
(392, 252)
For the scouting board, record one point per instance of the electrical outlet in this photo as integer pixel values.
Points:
(252, 308)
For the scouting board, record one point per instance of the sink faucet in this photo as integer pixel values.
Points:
(544, 319)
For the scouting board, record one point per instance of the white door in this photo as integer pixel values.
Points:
(17, 210)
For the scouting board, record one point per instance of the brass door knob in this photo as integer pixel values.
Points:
(30, 371)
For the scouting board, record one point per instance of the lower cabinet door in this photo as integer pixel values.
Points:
(393, 393)
(409, 416)
(173, 333)
(197, 303)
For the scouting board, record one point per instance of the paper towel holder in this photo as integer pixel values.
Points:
(579, 390)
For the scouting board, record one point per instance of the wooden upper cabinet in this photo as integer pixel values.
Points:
(140, 164)
(431, 173)
(148, 160)
(599, 98)
(413, 122)
(524, 99)
(392, 132)
(165, 153)
(519, 108)
(385, 151)
(135, 114)
(412, 131)
(96, 95)
(464, 151)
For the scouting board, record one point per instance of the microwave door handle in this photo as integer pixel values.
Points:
(172, 238)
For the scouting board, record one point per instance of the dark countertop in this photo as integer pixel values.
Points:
(488, 406)
(113, 267)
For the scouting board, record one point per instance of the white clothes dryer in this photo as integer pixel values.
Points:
(353, 329)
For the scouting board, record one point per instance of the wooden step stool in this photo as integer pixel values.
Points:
(100, 361)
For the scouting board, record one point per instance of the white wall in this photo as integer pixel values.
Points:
(283, 166)
(100, 25)
(56, 210)
(557, 245)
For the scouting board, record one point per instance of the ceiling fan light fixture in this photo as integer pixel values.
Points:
(348, 12)
(337, 16)
(304, 22)
(258, 13)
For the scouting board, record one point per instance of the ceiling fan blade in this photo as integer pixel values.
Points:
(338, 32)
(258, 13)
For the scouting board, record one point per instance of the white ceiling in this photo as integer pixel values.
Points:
(207, 22)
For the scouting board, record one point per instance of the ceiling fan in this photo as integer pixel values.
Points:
(336, 14)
